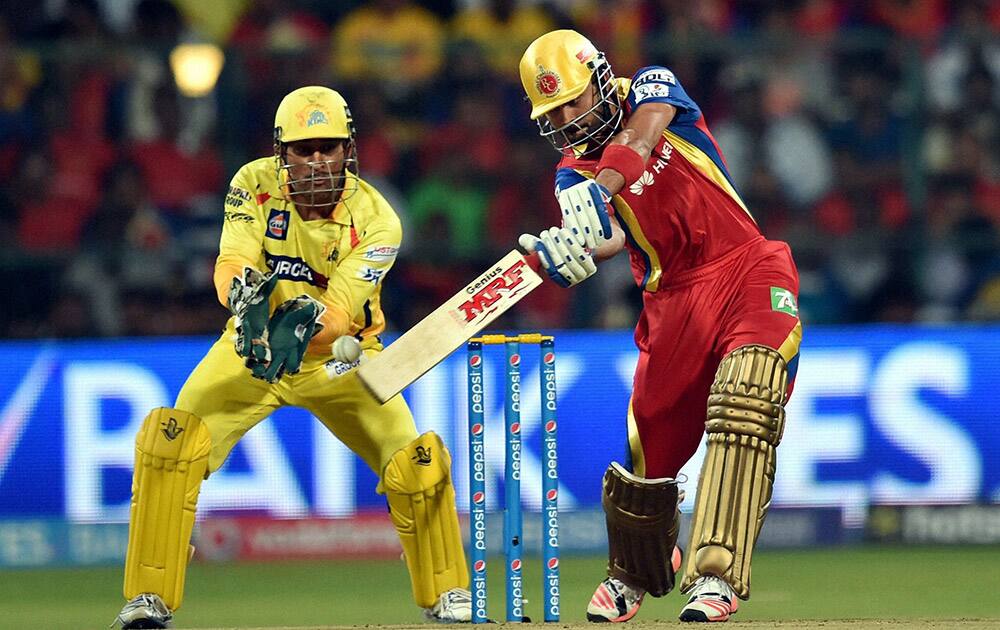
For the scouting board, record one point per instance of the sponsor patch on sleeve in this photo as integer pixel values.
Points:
(655, 75)
(381, 253)
(783, 301)
(651, 90)
(371, 274)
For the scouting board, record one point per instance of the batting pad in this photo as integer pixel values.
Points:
(171, 459)
(746, 416)
(417, 483)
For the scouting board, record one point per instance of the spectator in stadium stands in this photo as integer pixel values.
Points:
(393, 42)
(502, 29)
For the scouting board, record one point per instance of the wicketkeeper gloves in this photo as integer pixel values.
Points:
(248, 301)
(289, 330)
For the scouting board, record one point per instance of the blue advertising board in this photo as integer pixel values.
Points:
(880, 415)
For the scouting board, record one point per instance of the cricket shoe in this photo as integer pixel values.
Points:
(146, 610)
(712, 599)
(454, 606)
(614, 601)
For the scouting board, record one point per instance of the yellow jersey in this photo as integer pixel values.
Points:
(340, 261)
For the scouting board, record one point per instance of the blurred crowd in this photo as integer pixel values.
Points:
(866, 134)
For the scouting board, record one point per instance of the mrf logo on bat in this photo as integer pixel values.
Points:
(495, 285)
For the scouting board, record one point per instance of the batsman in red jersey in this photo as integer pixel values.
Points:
(641, 172)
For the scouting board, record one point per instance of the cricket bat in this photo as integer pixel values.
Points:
(453, 323)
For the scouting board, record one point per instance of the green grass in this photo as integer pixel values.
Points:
(873, 583)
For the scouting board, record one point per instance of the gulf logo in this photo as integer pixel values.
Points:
(515, 428)
(515, 565)
(515, 359)
(476, 429)
(478, 497)
(553, 563)
(475, 360)
(549, 358)
(550, 426)
(551, 495)
(479, 566)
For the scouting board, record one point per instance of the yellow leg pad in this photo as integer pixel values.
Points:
(171, 459)
(417, 483)
(745, 419)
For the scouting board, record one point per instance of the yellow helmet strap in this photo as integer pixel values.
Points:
(592, 129)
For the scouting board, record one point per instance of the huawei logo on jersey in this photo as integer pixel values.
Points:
(638, 185)
(647, 178)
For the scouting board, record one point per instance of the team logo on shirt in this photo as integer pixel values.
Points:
(277, 224)
(548, 82)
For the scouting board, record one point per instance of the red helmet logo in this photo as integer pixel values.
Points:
(548, 83)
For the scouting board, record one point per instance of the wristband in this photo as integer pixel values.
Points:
(623, 159)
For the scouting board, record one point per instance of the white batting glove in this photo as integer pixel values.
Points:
(584, 209)
(564, 257)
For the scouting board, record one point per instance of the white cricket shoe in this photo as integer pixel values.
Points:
(146, 610)
(712, 599)
(614, 601)
(454, 606)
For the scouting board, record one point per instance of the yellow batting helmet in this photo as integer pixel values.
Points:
(555, 69)
(313, 112)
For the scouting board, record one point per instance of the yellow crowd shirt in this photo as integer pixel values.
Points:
(341, 261)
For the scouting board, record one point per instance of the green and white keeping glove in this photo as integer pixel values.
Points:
(291, 327)
(248, 301)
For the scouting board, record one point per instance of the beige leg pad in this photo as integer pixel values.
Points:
(643, 522)
(171, 460)
(746, 416)
(417, 483)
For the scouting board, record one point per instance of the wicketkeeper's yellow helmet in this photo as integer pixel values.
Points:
(313, 112)
(555, 69)
(308, 113)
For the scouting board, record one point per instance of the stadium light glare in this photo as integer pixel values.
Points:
(196, 68)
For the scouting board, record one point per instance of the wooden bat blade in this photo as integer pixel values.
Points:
(438, 335)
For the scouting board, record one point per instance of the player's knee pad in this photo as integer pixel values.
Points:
(417, 483)
(171, 460)
(746, 417)
(643, 522)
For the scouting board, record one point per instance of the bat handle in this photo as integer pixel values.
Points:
(533, 261)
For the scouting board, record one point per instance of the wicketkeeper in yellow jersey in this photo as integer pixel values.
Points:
(306, 244)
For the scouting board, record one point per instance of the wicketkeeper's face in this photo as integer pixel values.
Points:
(315, 169)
